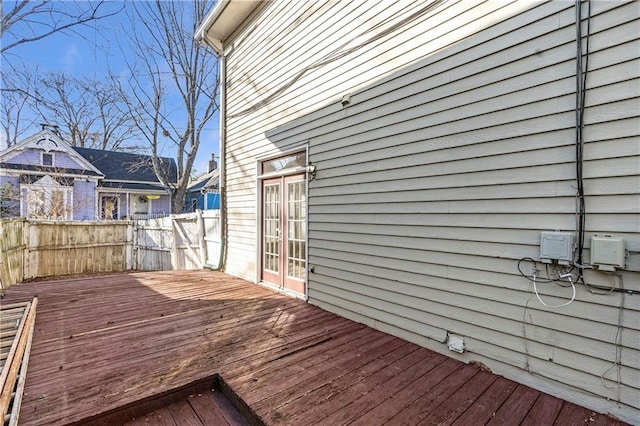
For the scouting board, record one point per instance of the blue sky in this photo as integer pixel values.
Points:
(89, 52)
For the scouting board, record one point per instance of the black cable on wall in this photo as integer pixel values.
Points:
(582, 71)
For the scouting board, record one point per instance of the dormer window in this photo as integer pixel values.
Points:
(47, 159)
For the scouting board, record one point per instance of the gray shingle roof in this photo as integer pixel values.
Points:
(208, 181)
(126, 166)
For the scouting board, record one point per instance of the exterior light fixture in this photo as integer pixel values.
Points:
(311, 171)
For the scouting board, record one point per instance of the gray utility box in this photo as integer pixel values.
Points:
(607, 253)
(556, 247)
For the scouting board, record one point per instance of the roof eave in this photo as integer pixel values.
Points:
(223, 20)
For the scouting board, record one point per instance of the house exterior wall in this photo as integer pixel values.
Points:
(62, 160)
(124, 205)
(211, 201)
(9, 179)
(30, 156)
(5, 179)
(84, 200)
(23, 201)
(161, 205)
(127, 204)
(457, 149)
(10, 196)
(189, 199)
(81, 196)
(206, 201)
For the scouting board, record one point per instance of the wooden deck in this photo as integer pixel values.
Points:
(105, 342)
(200, 403)
(17, 324)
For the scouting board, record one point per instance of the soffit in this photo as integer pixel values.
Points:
(223, 20)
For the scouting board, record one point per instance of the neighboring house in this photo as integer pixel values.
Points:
(130, 187)
(426, 147)
(203, 193)
(43, 177)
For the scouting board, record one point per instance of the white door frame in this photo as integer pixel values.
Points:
(258, 220)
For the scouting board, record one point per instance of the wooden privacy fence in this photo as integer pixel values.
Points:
(176, 242)
(33, 249)
(12, 247)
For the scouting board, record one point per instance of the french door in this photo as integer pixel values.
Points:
(284, 232)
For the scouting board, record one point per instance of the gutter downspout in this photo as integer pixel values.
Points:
(223, 143)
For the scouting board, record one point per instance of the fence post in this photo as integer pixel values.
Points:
(26, 253)
(132, 245)
(174, 244)
(201, 238)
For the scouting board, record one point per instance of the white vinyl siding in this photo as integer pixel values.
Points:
(456, 151)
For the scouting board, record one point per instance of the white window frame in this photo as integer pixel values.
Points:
(53, 159)
(303, 147)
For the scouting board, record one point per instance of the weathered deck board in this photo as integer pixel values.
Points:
(183, 414)
(418, 404)
(17, 325)
(460, 401)
(544, 411)
(330, 373)
(339, 393)
(103, 342)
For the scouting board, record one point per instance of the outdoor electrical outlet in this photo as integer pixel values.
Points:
(455, 343)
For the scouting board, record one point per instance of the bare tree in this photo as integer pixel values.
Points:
(58, 101)
(90, 113)
(28, 21)
(9, 200)
(173, 84)
(15, 101)
(25, 21)
(13, 104)
(114, 127)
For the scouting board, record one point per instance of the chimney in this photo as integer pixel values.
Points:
(213, 164)
(53, 127)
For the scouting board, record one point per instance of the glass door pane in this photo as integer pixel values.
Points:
(271, 228)
(284, 232)
(296, 230)
(295, 244)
